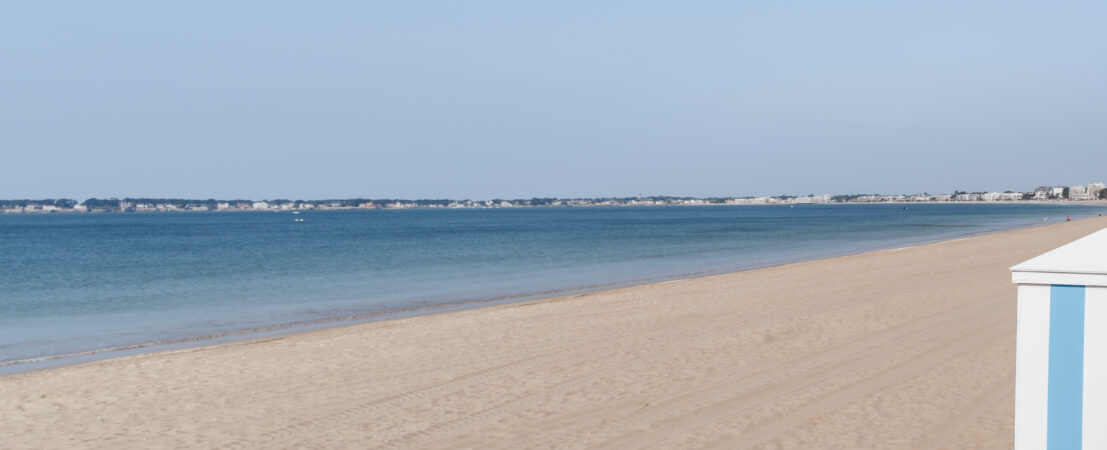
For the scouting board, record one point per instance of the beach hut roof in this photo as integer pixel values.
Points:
(1081, 262)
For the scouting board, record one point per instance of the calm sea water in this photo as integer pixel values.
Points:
(75, 283)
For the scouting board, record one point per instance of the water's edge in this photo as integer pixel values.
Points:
(285, 329)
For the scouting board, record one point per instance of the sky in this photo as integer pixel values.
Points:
(512, 99)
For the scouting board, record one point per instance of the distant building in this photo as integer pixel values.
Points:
(1095, 188)
(812, 199)
(1079, 193)
(1001, 196)
(1042, 193)
(260, 205)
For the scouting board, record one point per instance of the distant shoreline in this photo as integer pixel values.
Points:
(175, 209)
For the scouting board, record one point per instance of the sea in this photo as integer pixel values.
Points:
(79, 286)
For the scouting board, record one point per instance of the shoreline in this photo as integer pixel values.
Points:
(895, 348)
(46, 362)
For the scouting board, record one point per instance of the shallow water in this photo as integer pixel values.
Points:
(80, 282)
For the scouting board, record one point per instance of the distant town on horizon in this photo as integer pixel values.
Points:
(1094, 191)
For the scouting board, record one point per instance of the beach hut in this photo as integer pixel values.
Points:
(1061, 358)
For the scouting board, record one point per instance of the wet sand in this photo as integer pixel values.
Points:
(905, 348)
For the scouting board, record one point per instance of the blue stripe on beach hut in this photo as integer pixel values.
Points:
(1066, 367)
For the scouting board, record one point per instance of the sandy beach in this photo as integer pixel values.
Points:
(904, 348)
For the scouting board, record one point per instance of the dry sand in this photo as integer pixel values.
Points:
(907, 348)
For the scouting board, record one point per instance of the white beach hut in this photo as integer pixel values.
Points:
(1061, 358)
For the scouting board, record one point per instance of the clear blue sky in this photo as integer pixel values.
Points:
(411, 99)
